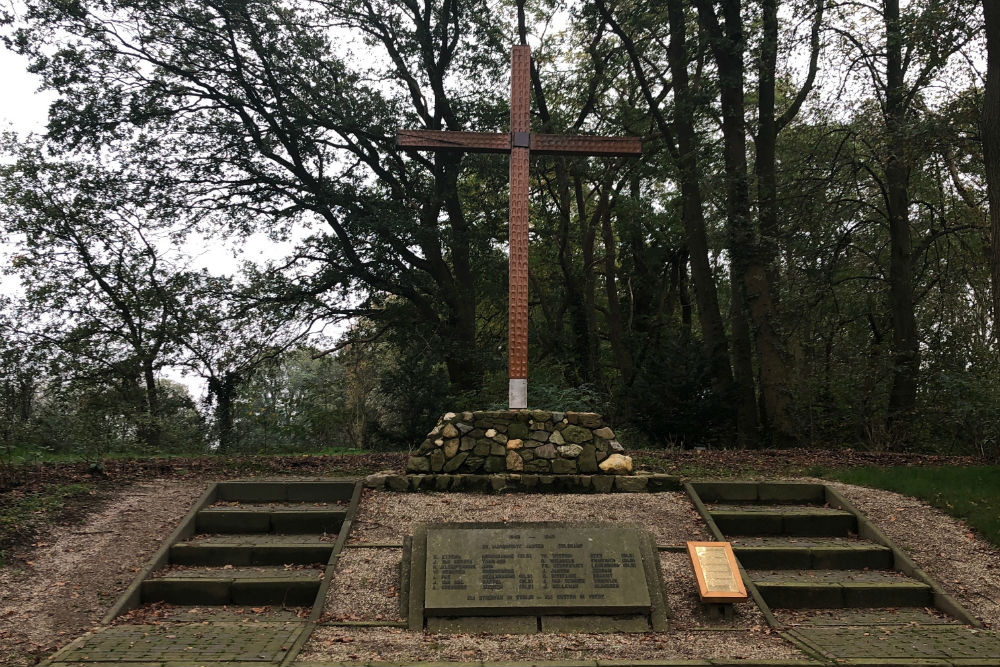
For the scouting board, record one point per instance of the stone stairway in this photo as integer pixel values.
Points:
(802, 551)
(257, 544)
(240, 581)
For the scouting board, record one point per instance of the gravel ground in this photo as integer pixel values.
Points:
(365, 586)
(387, 517)
(366, 583)
(337, 644)
(966, 566)
(77, 572)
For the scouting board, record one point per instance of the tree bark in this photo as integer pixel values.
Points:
(706, 296)
(224, 390)
(775, 399)
(906, 354)
(152, 431)
(751, 295)
(616, 331)
(990, 126)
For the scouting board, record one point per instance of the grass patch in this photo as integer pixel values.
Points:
(24, 514)
(971, 493)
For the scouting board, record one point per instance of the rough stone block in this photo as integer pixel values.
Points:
(418, 464)
(603, 483)
(577, 434)
(453, 464)
(437, 460)
(495, 464)
(587, 461)
(564, 466)
(546, 451)
(517, 430)
(397, 482)
(570, 451)
(630, 484)
(529, 481)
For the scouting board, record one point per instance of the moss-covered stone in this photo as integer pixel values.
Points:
(577, 434)
(587, 461)
(453, 464)
(517, 430)
(537, 465)
(564, 466)
(418, 464)
(495, 464)
(437, 460)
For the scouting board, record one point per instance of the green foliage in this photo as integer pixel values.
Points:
(971, 493)
(234, 119)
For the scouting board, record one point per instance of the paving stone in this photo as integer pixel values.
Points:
(187, 643)
(908, 642)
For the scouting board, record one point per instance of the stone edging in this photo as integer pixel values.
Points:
(514, 483)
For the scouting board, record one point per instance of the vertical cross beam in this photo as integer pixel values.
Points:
(520, 142)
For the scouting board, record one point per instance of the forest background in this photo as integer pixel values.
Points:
(808, 252)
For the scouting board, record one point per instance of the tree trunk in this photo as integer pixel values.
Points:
(151, 433)
(706, 296)
(750, 293)
(223, 391)
(588, 234)
(462, 357)
(775, 398)
(990, 126)
(747, 420)
(906, 355)
(616, 331)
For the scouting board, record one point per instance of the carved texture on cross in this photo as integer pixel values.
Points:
(519, 143)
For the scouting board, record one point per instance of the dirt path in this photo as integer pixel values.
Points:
(75, 573)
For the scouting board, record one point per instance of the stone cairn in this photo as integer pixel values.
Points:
(521, 441)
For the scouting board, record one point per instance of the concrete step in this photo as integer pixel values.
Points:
(788, 520)
(271, 519)
(283, 490)
(801, 589)
(877, 616)
(762, 492)
(246, 550)
(811, 553)
(233, 586)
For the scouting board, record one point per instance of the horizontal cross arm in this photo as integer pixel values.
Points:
(560, 144)
(467, 142)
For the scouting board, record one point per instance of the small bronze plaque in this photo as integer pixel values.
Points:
(717, 572)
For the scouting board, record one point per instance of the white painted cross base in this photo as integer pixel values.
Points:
(517, 395)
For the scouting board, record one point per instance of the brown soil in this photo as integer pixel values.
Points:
(75, 573)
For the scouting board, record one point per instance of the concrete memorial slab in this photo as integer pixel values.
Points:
(592, 575)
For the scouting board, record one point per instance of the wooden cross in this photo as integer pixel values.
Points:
(520, 142)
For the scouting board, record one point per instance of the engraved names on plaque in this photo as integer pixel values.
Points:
(717, 573)
(534, 569)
